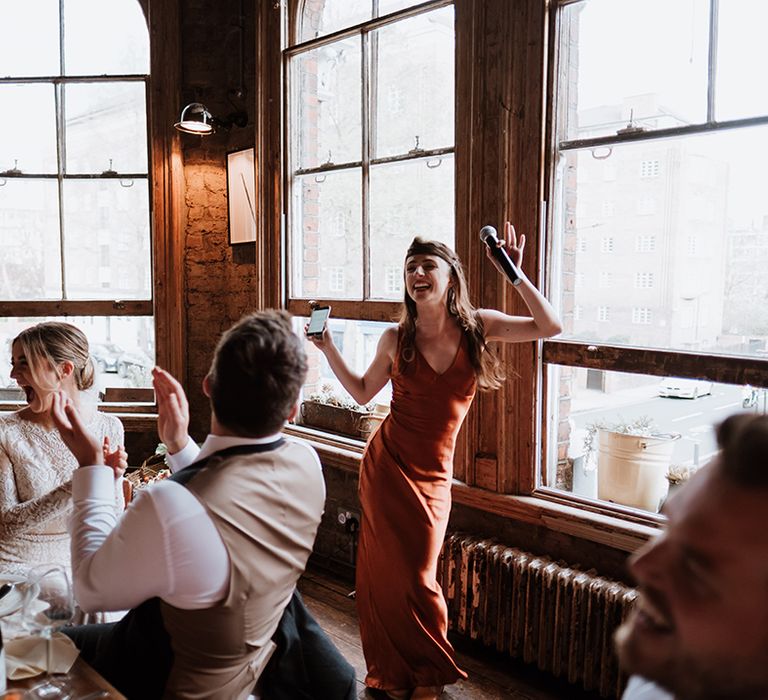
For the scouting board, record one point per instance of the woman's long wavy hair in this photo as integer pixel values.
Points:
(488, 369)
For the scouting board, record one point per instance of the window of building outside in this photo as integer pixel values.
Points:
(606, 244)
(370, 143)
(674, 139)
(74, 185)
(643, 280)
(645, 243)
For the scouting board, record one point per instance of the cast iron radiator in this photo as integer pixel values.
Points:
(533, 608)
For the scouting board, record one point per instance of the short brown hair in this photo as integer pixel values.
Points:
(743, 440)
(257, 372)
(52, 343)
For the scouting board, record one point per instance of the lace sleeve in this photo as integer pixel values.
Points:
(17, 517)
(116, 433)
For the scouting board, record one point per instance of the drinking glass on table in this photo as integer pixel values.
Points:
(48, 605)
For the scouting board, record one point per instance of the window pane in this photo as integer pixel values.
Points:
(105, 38)
(326, 252)
(106, 233)
(357, 342)
(328, 16)
(122, 348)
(29, 240)
(412, 198)
(741, 48)
(632, 471)
(685, 240)
(325, 115)
(28, 129)
(388, 6)
(640, 60)
(106, 125)
(415, 85)
(18, 55)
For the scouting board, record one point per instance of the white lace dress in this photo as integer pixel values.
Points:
(36, 490)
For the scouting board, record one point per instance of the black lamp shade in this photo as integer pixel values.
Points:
(195, 119)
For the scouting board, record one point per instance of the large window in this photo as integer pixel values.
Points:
(370, 156)
(659, 112)
(74, 179)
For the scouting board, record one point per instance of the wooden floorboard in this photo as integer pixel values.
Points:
(491, 675)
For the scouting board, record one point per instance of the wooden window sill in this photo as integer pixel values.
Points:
(542, 510)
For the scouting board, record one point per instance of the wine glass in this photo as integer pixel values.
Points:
(48, 605)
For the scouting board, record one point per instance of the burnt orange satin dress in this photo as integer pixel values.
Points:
(405, 493)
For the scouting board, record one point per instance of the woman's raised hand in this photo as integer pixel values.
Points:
(80, 441)
(513, 244)
(117, 458)
(319, 341)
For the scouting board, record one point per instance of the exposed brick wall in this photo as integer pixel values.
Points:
(220, 281)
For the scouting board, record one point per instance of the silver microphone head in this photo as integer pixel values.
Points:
(488, 234)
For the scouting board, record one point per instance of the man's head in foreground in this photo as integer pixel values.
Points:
(700, 628)
(256, 374)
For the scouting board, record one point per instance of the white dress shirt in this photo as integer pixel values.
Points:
(165, 544)
(640, 689)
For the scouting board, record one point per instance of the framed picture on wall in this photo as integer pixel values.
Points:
(240, 195)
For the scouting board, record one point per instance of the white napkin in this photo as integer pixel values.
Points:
(26, 656)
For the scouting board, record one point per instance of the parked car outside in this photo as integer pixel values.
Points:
(133, 363)
(678, 388)
(105, 356)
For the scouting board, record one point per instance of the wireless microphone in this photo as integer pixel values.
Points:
(489, 237)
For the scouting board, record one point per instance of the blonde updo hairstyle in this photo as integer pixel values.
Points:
(51, 343)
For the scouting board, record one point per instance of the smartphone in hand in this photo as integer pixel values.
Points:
(317, 321)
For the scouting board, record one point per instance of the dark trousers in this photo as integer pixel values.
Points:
(135, 655)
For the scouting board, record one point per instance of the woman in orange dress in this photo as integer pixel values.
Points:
(435, 357)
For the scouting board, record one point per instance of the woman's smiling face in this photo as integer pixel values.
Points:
(427, 277)
(38, 387)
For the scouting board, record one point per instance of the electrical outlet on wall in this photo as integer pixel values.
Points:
(348, 519)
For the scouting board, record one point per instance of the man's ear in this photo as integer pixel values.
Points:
(294, 412)
(207, 386)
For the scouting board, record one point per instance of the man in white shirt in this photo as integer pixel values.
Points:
(700, 628)
(208, 559)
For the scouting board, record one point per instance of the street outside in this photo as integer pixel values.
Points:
(694, 419)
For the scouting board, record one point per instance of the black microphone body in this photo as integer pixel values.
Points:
(489, 237)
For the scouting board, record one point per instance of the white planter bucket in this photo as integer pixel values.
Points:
(632, 470)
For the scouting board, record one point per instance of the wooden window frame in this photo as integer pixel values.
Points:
(367, 308)
(728, 369)
(498, 177)
(166, 196)
(505, 145)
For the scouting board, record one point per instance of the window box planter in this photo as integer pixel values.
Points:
(354, 423)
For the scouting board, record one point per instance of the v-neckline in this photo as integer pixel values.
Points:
(447, 369)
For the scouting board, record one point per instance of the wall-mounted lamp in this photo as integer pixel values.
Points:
(196, 119)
